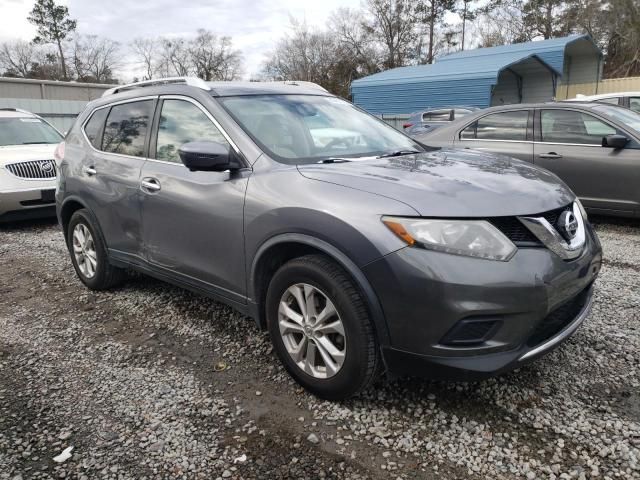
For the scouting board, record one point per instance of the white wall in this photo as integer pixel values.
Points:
(537, 84)
(506, 91)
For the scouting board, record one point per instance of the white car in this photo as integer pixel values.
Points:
(629, 100)
(27, 165)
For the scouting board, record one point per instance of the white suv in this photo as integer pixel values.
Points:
(27, 165)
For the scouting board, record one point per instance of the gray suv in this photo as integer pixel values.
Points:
(360, 251)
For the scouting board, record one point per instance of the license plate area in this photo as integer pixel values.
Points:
(48, 196)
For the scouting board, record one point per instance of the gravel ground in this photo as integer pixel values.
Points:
(149, 381)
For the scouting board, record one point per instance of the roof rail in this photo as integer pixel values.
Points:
(302, 82)
(191, 81)
(18, 110)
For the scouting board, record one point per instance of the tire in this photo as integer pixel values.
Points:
(100, 275)
(315, 276)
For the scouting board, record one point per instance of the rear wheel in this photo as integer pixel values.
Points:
(89, 254)
(320, 328)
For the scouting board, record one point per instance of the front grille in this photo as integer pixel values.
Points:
(559, 318)
(552, 215)
(520, 235)
(34, 170)
(514, 230)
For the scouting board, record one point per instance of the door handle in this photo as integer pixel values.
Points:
(150, 184)
(550, 155)
(89, 171)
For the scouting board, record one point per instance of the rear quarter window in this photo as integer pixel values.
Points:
(93, 128)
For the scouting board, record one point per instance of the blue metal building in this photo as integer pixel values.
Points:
(524, 72)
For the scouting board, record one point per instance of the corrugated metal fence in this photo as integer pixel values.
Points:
(50, 90)
(59, 113)
(57, 102)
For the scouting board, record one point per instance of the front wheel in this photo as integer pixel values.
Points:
(320, 328)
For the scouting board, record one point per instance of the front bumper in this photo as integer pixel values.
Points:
(25, 197)
(28, 203)
(534, 302)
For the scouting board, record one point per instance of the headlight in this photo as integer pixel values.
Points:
(473, 238)
(582, 210)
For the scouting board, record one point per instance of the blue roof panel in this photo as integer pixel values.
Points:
(532, 47)
(466, 76)
(474, 67)
(551, 51)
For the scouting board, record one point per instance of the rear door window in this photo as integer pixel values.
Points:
(634, 104)
(499, 126)
(570, 126)
(610, 100)
(126, 128)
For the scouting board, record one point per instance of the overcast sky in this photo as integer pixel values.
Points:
(255, 25)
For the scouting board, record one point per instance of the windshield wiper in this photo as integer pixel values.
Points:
(334, 160)
(398, 153)
(34, 143)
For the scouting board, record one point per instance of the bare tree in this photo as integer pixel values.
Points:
(621, 42)
(94, 59)
(27, 60)
(393, 24)
(16, 58)
(467, 10)
(431, 14)
(213, 57)
(355, 39)
(146, 52)
(304, 54)
(500, 22)
(206, 55)
(174, 58)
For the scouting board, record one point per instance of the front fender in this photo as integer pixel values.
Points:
(375, 309)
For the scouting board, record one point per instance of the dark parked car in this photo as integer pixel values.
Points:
(593, 147)
(359, 253)
(426, 120)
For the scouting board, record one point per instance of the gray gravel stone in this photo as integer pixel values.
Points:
(131, 374)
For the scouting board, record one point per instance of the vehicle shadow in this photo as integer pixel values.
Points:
(598, 220)
(28, 224)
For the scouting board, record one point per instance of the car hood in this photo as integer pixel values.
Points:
(451, 183)
(23, 153)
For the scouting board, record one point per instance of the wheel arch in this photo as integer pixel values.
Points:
(279, 249)
(67, 209)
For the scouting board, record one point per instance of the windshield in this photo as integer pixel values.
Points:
(307, 128)
(627, 117)
(26, 131)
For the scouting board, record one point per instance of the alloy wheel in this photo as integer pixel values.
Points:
(312, 330)
(84, 250)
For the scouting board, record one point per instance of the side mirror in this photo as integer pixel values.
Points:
(208, 157)
(614, 141)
